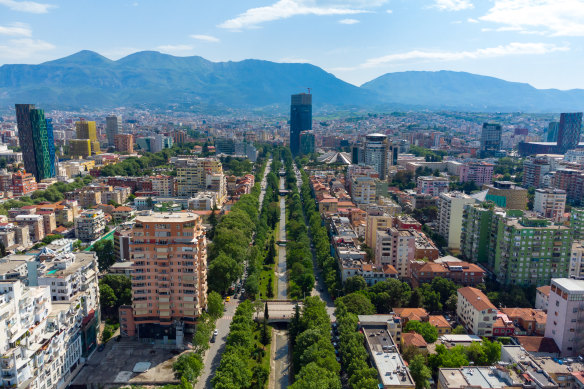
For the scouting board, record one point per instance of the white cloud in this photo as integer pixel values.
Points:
(206, 38)
(24, 48)
(453, 5)
(515, 48)
(471, 20)
(27, 6)
(174, 49)
(349, 21)
(16, 29)
(284, 9)
(552, 17)
(389, 11)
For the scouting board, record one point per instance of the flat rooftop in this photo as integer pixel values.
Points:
(569, 284)
(167, 217)
(388, 361)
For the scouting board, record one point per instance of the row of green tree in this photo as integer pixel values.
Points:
(353, 353)
(242, 364)
(142, 166)
(320, 239)
(188, 366)
(382, 297)
(236, 166)
(313, 354)
(264, 250)
(260, 251)
(298, 254)
(231, 242)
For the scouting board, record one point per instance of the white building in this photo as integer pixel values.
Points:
(432, 185)
(475, 311)
(90, 225)
(450, 210)
(376, 152)
(363, 190)
(550, 203)
(565, 316)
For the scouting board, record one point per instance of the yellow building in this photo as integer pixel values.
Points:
(87, 130)
(80, 148)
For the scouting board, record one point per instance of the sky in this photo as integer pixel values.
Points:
(539, 42)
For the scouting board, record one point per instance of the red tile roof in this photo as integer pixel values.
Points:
(413, 339)
(538, 344)
(476, 298)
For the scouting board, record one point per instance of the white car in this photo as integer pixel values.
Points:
(216, 332)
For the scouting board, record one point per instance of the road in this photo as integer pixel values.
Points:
(213, 354)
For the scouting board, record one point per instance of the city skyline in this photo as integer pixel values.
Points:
(356, 40)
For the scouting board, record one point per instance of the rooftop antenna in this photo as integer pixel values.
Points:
(309, 89)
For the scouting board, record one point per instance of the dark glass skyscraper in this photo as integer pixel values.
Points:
(569, 131)
(300, 119)
(490, 139)
(33, 134)
(51, 139)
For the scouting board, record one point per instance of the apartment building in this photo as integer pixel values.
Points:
(461, 273)
(450, 210)
(432, 185)
(475, 311)
(565, 319)
(577, 260)
(363, 190)
(90, 225)
(23, 183)
(396, 248)
(163, 185)
(518, 247)
(35, 224)
(199, 175)
(534, 170)
(577, 223)
(169, 282)
(376, 222)
(124, 143)
(44, 339)
(550, 203)
(478, 172)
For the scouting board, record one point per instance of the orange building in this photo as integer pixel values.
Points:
(169, 276)
(124, 143)
(23, 183)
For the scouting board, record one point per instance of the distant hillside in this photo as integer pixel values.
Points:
(89, 80)
(466, 91)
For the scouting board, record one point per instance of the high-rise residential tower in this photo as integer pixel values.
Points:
(569, 131)
(300, 119)
(35, 134)
(113, 126)
(490, 139)
(169, 277)
(375, 150)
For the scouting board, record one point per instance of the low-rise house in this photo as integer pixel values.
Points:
(528, 321)
(440, 323)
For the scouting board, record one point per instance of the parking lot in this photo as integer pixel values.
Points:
(113, 366)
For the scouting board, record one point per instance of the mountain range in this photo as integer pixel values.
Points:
(89, 80)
